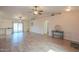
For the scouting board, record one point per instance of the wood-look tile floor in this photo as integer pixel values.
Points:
(31, 42)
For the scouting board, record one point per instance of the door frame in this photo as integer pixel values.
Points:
(46, 27)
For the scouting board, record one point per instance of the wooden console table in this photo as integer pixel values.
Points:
(58, 34)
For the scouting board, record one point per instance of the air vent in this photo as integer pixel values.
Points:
(54, 14)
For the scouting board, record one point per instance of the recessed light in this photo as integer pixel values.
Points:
(68, 9)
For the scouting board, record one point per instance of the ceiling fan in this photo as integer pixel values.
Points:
(37, 10)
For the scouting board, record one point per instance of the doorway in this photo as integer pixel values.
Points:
(46, 27)
(18, 27)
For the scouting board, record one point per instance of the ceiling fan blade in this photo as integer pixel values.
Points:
(52, 14)
(40, 13)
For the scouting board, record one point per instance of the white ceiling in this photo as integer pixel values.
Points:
(11, 11)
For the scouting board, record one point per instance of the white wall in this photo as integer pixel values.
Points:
(37, 26)
(69, 22)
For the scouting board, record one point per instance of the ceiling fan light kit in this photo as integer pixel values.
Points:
(37, 10)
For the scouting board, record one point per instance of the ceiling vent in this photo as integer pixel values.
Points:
(54, 14)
